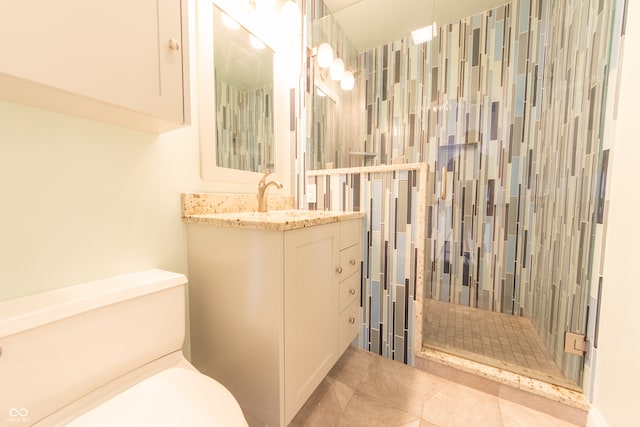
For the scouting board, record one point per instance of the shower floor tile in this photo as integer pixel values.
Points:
(497, 339)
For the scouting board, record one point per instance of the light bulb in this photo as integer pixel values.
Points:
(337, 69)
(325, 55)
(348, 80)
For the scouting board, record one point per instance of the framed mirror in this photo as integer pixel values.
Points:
(238, 95)
(243, 76)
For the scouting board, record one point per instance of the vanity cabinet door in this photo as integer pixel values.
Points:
(311, 310)
(97, 59)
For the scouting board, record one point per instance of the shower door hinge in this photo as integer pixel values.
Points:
(575, 343)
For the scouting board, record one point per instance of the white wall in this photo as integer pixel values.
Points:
(83, 200)
(617, 372)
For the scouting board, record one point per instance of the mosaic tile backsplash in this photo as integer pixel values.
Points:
(504, 107)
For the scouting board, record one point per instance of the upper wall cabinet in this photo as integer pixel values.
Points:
(123, 62)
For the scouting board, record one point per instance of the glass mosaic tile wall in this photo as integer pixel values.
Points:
(504, 108)
(393, 231)
(244, 128)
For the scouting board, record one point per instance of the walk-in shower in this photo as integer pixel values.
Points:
(511, 224)
(483, 195)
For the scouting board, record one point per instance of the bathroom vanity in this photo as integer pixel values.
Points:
(274, 301)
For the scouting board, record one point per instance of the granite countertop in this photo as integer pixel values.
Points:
(275, 220)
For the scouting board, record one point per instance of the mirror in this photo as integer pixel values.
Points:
(242, 98)
(334, 117)
(324, 131)
(243, 69)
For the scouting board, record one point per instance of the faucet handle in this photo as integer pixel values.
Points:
(267, 172)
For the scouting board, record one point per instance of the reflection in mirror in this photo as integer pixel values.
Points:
(336, 131)
(244, 97)
(324, 133)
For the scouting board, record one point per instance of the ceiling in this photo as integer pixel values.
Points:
(373, 23)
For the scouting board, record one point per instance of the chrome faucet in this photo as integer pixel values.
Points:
(263, 185)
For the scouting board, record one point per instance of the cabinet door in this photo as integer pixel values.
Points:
(311, 311)
(118, 52)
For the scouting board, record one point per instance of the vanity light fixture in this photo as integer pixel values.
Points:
(425, 34)
(337, 69)
(348, 80)
(325, 55)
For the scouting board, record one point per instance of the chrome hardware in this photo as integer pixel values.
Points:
(352, 320)
(174, 44)
(263, 186)
(339, 270)
(352, 262)
(352, 291)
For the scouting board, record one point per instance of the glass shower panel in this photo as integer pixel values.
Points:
(454, 230)
(515, 183)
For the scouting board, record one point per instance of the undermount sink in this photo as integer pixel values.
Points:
(279, 220)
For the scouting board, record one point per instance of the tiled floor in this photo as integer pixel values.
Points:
(496, 339)
(364, 389)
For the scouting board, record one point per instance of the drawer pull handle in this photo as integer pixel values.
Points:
(352, 262)
(339, 270)
(174, 44)
(352, 291)
(352, 320)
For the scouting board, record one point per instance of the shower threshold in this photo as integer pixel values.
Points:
(564, 403)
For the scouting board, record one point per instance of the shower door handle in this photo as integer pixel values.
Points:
(443, 183)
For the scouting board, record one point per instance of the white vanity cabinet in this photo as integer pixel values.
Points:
(119, 61)
(272, 311)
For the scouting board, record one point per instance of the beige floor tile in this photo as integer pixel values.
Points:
(325, 406)
(352, 366)
(521, 416)
(399, 386)
(460, 406)
(391, 394)
(365, 411)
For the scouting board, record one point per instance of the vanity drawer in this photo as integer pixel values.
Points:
(349, 325)
(349, 261)
(349, 291)
(350, 232)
